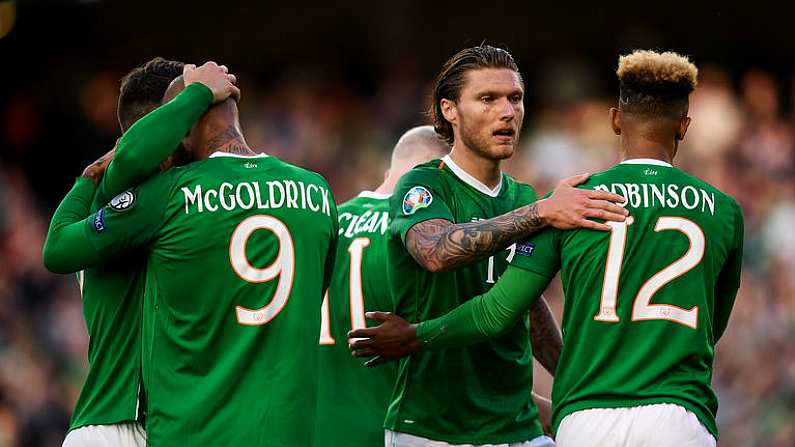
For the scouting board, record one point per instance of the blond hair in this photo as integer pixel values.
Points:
(656, 83)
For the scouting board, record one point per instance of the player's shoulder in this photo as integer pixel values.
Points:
(297, 172)
(352, 205)
(432, 171)
(609, 175)
(516, 187)
(703, 184)
(618, 174)
(166, 179)
(364, 201)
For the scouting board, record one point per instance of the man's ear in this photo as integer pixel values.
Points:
(449, 110)
(615, 120)
(684, 123)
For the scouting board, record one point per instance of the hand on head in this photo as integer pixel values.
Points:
(215, 77)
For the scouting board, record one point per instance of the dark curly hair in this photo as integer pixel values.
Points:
(142, 89)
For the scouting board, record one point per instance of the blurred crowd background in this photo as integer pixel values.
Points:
(331, 87)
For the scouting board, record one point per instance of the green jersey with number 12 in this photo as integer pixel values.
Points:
(646, 302)
(352, 400)
(240, 254)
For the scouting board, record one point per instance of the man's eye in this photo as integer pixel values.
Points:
(487, 99)
(516, 98)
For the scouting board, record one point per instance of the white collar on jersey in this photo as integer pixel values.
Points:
(227, 154)
(374, 195)
(646, 161)
(472, 181)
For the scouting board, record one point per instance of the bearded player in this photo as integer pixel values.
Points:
(446, 246)
(239, 251)
(109, 408)
(645, 303)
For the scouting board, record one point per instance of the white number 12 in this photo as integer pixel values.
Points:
(641, 309)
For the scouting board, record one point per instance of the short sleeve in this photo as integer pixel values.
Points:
(526, 194)
(419, 196)
(539, 253)
(132, 218)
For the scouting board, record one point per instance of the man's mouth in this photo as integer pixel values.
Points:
(506, 134)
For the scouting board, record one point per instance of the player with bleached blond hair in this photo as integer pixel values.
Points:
(645, 302)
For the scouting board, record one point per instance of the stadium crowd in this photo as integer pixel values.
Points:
(741, 141)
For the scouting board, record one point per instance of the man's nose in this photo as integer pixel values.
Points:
(507, 110)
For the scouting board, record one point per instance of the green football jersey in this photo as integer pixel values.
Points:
(639, 321)
(240, 254)
(352, 400)
(113, 293)
(475, 395)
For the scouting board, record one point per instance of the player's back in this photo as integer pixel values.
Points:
(640, 300)
(352, 400)
(232, 313)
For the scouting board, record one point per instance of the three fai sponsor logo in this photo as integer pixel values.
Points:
(416, 198)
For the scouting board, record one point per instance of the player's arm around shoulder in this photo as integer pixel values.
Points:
(128, 221)
(65, 234)
(134, 218)
(439, 245)
(481, 318)
(148, 142)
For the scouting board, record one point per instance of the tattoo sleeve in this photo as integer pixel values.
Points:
(545, 336)
(440, 245)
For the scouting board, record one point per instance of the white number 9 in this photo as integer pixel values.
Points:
(283, 267)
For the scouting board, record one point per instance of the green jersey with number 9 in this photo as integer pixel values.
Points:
(240, 253)
(352, 400)
(646, 302)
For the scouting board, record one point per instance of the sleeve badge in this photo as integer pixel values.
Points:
(525, 248)
(123, 201)
(417, 198)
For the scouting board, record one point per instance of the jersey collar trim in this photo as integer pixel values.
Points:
(472, 181)
(227, 154)
(374, 195)
(646, 161)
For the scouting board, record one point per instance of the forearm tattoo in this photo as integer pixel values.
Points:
(545, 336)
(440, 245)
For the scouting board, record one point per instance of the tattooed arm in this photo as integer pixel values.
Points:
(545, 336)
(440, 245)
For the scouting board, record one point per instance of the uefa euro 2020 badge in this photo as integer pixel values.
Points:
(418, 197)
(123, 201)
